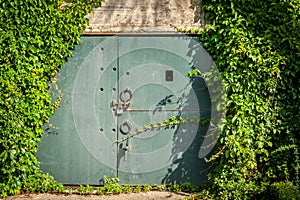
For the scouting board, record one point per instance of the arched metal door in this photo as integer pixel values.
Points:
(118, 94)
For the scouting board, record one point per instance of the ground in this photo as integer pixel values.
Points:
(153, 195)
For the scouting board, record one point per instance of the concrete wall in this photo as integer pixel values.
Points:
(145, 15)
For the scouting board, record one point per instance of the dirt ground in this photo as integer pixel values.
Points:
(153, 195)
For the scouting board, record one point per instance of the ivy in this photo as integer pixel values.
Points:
(36, 37)
(170, 123)
(256, 46)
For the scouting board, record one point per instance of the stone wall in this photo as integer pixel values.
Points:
(145, 16)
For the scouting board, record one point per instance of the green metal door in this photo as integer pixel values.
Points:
(117, 93)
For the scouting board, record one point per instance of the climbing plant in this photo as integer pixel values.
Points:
(256, 46)
(36, 37)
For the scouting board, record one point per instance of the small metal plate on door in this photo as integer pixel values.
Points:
(169, 75)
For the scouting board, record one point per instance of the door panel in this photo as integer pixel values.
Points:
(155, 72)
(116, 92)
(78, 144)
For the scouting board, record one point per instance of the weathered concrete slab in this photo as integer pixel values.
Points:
(145, 15)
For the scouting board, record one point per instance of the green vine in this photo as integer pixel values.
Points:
(36, 37)
(256, 46)
(168, 123)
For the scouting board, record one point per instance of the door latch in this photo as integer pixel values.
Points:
(120, 106)
(126, 150)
